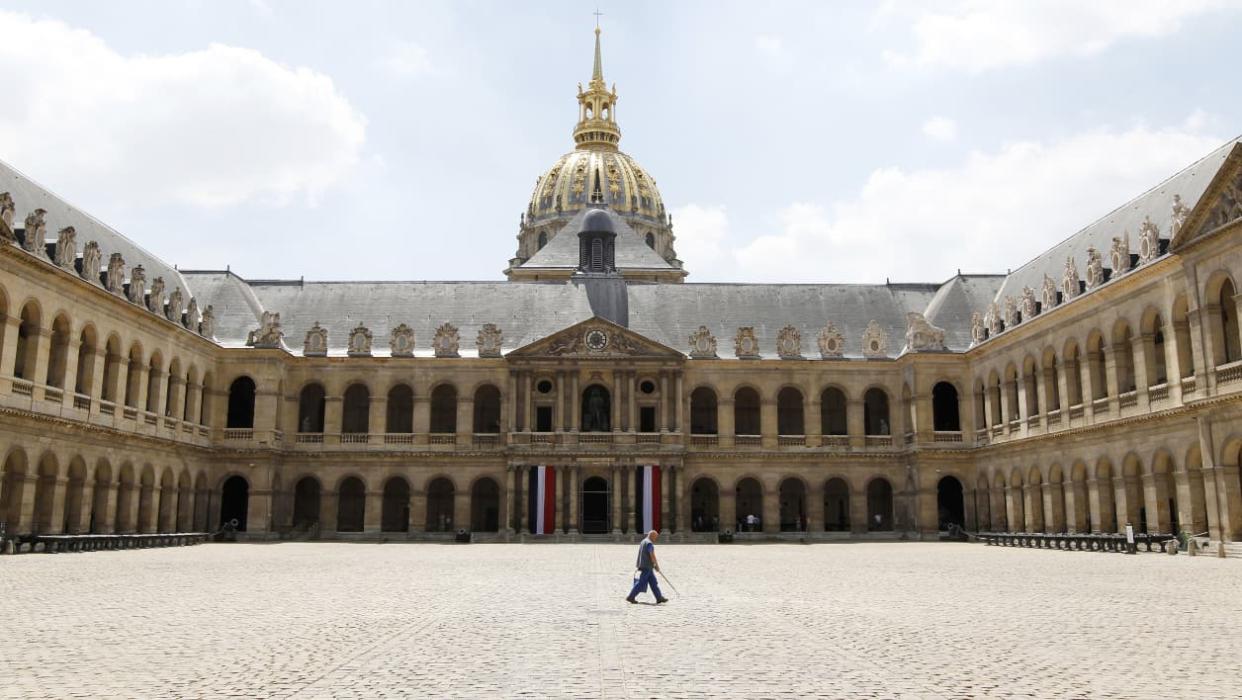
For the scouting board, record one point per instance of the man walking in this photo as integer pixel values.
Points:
(647, 566)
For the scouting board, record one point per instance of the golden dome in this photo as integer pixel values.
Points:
(587, 176)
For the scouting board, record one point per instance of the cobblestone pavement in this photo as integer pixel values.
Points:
(549, 621)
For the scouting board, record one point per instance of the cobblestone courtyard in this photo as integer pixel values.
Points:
(848, 620)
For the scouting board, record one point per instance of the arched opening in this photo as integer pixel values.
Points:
(651, 240)
(185, 504)
(400, 418)
(703, 411)
(1033, 504)
(99, 499)
(306, 503)
(235, 502)
(166, 513)
(395, 514)
(112, 369)
(875, 412)
(879, 505)
(1154, 349)
(1030, 385)
(311, 405)
(596, 502)
(1228, 327)
(440, 505)
(146, 500)
(45, 493)
(485, 506)
(27, 343)
(444, 409)
(356, 410)
(351, 505)
(1052, 386)
(123, 520)
(1096, 367)
(1123, 357)
(11, 491)
(58, 355)
(704, 506)
(1181, 337)
(596, 409)
(749, 502)
(994, 389)
(945, 408)
(204, 400)
(832, 412)
(85, 375)
(789, 418)
(793, 506)
(950, 503)
(746, 412)
(1073, 374)
(241, 403)
(133, 376)
(487, 410)
(1012, 381)
(155, 375)
(1105, 510)
(172, 382)
(837, 506)
(542, 240)
(981, 417)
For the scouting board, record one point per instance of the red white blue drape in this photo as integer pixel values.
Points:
(647, 496)
(542, 502)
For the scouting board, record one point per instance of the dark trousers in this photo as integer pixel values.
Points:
(646, 577)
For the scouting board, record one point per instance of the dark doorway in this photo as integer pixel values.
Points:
(749, 502)
(306, 502)
(879, 506)
(646, 419)
(241, 403)
(543, 419)
(793, 506)
(351, 505)
(704, 506)
(950, 503)
(440, 505)
(945, 409)
(485, 506)
(395, 515)
(595, 505)
(234, 502)
(837, 506)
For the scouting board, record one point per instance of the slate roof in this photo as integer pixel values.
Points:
(29, 195)
(1157, 203)
(631, 250)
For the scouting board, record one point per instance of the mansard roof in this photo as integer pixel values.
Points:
(527, 312)
(29, 195)
(1157, 203)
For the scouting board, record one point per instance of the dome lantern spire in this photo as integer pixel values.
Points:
(597, 118)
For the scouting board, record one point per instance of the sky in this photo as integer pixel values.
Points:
(791, 141)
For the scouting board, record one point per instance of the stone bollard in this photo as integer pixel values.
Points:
(1170, 547)
(1192, 547)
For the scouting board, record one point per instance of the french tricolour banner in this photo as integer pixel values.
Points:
(542, 500)
(648, 497)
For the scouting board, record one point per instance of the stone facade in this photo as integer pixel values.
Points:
(1071, 409)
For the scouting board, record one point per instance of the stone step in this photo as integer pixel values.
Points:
(1233, 550)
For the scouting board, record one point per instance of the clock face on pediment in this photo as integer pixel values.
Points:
(596, 339)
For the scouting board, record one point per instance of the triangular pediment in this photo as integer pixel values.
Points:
(1220, 205)
(595, 339)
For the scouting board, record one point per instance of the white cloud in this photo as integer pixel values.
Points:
(773, 53)
(214, 127)
(940, 129)
(978, 35)
(406, 60)
(701, 232)
(993, 212)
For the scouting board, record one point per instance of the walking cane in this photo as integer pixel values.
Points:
(670, 583)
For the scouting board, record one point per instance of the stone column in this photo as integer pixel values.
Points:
(43, 356)
(327, 510)
(461, 509)
(855, 424)
(176, 386)
(509, 505)
(858, 512)
(8, 352)
(1110, 374)
(572, 488)
(1054, 507)
(628, 495)
(614, 499)
(69, 379)
(665, 418)
(1088, 385)
(259, 512)
(528, 416)
(815, 507)
(679, 395)
(666, 488)
(814, 420)
(422, 418)
(725, 426)
(771, 508)
(511, 420)
(575, 403)
(333, 414)
(377, 415)
(83, 525)
(559, 519)
(373, 510)
(631, 396)
(465, 420)
(768, 427)
(560, 422)
(523, 508)
(728, 508)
